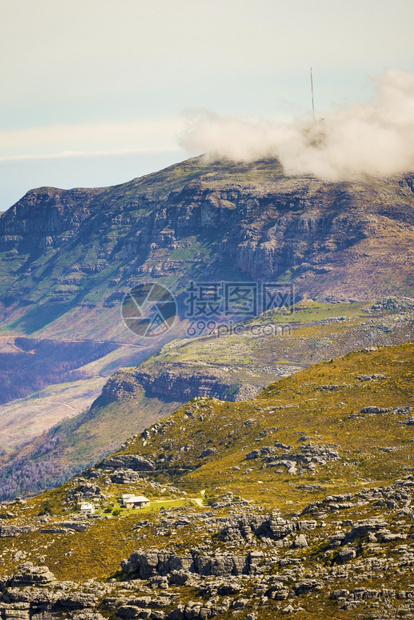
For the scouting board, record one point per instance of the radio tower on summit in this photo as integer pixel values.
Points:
(313, 101)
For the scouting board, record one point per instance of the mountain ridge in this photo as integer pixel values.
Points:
(198, 220)
(67, 257)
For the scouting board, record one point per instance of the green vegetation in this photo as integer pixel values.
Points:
(304, 404)
(199, 220)
(216, 462)
(311, 333)
(320, 406)
(232, 367)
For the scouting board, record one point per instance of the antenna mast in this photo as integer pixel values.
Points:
(313, 102)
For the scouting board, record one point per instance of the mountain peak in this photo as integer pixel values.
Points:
(348, 240)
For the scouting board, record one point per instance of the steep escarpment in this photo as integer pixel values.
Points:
(69, 257)
(236, 367)
(45, 217)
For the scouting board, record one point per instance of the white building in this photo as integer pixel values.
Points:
(87, 508)
(129, 500)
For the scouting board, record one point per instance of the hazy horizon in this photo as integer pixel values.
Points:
(96, 94)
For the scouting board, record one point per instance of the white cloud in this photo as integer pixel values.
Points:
(373, 138)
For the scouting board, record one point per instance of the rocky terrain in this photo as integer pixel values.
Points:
(296, 502)
(237, 366)
(349, 555)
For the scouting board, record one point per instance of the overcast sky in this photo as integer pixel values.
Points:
(96, 92)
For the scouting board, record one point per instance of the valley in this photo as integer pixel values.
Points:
(67, 258)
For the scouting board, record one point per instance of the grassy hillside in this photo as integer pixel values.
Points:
(280, 344)
(321, 405)
(312, 478)
(232, 367)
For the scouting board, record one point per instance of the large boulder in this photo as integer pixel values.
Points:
(127, 461)
(30, 575)
(147, 564)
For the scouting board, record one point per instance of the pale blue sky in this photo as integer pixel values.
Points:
(95, 92)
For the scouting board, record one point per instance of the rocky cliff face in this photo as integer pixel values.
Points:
(64, 250)
(173, 386)
(44, 218)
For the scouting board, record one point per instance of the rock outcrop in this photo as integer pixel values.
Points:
(273, 565)
(170, 385)
(128, 461)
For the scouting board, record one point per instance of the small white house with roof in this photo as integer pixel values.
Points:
(87, 508)
(130, 500)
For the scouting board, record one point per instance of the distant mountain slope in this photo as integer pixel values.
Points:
(67, 257)
(37, 363)
(50, 382)
(233, 368)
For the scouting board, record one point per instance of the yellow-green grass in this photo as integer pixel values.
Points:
(328, 418)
